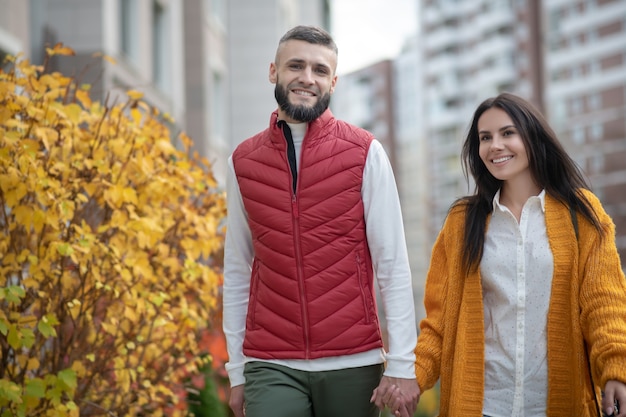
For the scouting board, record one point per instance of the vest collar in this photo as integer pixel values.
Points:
(314, 128)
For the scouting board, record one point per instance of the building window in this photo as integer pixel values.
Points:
(578, 135)
(595, 101)
(577, 106)
(160, 47)
(129, 35)
(218, 10)
(596, 164)
(597, 130)
(217, 107)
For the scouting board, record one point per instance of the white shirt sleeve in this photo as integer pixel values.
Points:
(387, 243)
(238, 255)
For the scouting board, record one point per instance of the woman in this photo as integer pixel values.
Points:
(525, 296)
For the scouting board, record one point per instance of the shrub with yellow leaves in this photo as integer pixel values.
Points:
(110, 249)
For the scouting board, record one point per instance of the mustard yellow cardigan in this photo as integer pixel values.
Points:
(588, 302)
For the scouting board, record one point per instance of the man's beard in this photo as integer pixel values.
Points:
(300, 112)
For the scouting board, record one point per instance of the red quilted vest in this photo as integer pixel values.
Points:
(311, 291)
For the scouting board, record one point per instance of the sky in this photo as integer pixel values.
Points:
(368, 31)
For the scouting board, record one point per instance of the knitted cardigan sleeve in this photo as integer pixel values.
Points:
(430, 341)
(602, 298)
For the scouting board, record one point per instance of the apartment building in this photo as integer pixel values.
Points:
(566, 57)
(412, 162)
(204, 62)
(365, 99)
(14, 32)
(370, 98)
(585, 94)
(143, 36)
(473, 49)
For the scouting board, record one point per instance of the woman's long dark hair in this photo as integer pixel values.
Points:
(551, 167)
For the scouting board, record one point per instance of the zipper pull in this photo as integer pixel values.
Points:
(294, 206)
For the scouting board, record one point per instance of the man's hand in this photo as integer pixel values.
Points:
(236, 400)
(400, 395)
(614, 393)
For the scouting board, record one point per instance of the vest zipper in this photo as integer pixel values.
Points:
(292, 161)
(303, 300)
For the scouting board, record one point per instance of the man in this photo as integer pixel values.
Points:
(313, 216)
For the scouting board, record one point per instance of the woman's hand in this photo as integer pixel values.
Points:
(614, 399)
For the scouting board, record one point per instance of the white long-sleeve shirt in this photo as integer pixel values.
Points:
(516, 270)
(386, 240)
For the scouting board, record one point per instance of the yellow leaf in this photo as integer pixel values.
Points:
(134, 94)
(191, 247)
(186, 140)
(22, 360)
(143, 268)
(23, 215)
(91, 188)
(13, 197)
(109, 328)
(114, 196)
(168, 117)
(166, 147)
(59, 49)
(33, 364)
(30, 147)
(37, 86)
(49, 81)
(83, 97)
(79, 368)
(8, 181)
(67, 209)
(129, 195)
(108, 58)
(73, 112)
(52, 219)
(47, 135)
(129, 313)
(39, 220)
(136, 115)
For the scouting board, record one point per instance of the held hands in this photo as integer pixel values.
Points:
(614, 393)
(400, 395)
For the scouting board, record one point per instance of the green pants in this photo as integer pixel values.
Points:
(278, 391)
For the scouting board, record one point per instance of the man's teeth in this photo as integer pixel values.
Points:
(304, 93)
(504, 158)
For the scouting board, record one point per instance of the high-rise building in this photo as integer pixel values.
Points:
(365, 99)
(567, 57)
(586, 94)
(471, 51)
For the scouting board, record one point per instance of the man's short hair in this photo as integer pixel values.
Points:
(310, 34)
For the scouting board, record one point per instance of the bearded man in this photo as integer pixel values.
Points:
(314, 221)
